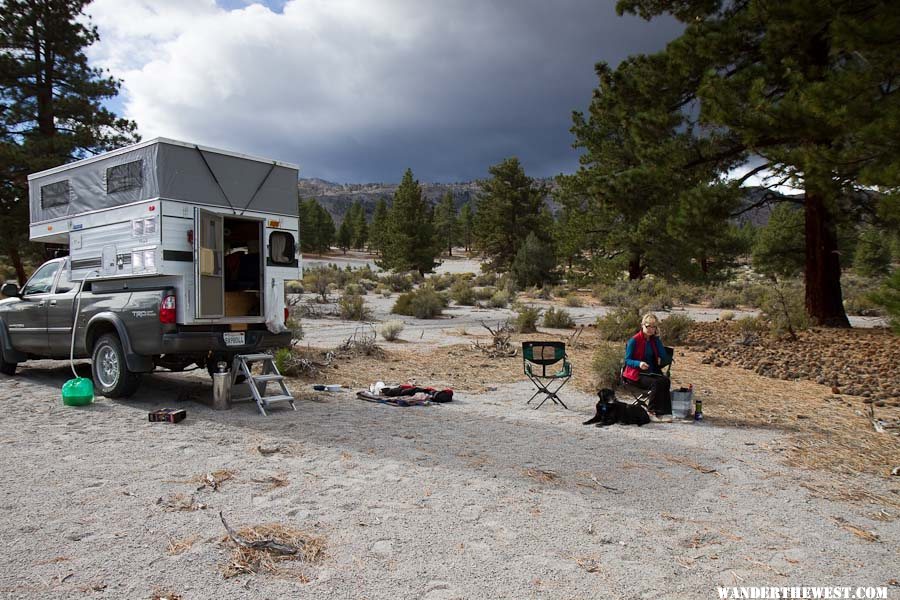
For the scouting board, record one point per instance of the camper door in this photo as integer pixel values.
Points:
(209, 245)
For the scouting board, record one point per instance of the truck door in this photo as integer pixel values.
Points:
(61, 313)
(27, 318)
(209, 245)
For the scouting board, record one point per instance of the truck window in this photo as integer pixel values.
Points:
(64, 283)
(281, 248)
(42, 280)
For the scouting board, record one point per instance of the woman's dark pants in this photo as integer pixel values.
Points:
(660, 396)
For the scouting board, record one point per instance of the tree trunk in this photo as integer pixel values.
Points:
(635, 269)
(16, 259)
(824, 301)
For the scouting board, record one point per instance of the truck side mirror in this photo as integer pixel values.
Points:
(10, 290)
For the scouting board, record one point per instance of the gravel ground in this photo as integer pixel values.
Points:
(481, 498)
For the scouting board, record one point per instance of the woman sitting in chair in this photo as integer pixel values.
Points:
(645, 356)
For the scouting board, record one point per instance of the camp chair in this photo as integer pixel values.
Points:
(640, 395)
(545, 364)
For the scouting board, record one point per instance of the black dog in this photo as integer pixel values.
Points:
(611, 411)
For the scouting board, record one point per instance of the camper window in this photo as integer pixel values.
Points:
(281, 248)
(124, 177)
(55, 194)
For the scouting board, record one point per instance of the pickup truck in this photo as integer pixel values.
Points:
(127, 329)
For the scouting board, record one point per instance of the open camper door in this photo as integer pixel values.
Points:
(209, 246)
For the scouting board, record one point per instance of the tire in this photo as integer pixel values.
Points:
(109, 369)
(7, 368)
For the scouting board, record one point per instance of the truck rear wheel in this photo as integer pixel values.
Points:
(109, 369)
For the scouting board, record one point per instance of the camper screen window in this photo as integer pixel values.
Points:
(55, 194)
(281, 248)
(124, 177)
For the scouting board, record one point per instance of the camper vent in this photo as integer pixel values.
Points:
(125, 177)
(86, 263)
(123, 259)
(55, 194)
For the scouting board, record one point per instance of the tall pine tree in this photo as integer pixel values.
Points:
(410, 243)
(446, 227)
(378, 231)
(509, 208)
(51, 104)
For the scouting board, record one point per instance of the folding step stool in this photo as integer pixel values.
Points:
(257, 383)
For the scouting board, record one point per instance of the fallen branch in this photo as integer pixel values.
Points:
(265, 544)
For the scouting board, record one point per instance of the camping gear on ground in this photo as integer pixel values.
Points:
(257, 383)
(167, 415)
(333, 387)
(435, 395)
(698, 410)
(78, 392)
(419, 399)
(319, 387)
(681, 403)
(222, 388)
(546, 364)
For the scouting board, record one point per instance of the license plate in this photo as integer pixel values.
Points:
(234, 339)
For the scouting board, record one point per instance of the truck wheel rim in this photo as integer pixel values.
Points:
(108, 367)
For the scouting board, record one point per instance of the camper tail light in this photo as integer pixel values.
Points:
(167, 310)
(287, 314)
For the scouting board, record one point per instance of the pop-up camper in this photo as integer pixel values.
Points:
(219, 227)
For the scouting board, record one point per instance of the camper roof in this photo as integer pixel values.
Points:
(159, 140)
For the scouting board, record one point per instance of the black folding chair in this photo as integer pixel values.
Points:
(640, 395)
(547, 366)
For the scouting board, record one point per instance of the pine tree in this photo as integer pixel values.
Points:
(51, 109)
(808, 87)
(345, 235)
(509, 208)
(358, 226)
(467, 225)
(446, 226)
(316, 227)
(410, 243)
(377, 233)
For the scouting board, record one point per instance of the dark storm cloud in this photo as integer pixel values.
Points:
(358, 90)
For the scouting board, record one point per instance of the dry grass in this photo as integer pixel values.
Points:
(176, 547)
(855, 530)
(542, 476)
(310, 549)
(273, 481)
(180, 502)
(214, 479)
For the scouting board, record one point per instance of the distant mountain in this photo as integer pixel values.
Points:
(337, 198)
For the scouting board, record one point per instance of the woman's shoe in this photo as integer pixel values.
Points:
(653, 417)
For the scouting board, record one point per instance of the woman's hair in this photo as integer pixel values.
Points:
(649, 319)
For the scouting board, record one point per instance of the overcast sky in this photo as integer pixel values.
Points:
(359, 90)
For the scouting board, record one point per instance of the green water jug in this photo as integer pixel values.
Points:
(78, 392)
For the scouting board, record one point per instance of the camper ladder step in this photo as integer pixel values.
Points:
(257, 383)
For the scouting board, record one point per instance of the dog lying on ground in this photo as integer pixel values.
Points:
(611, 411)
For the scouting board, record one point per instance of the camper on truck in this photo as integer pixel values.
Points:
(177, 254)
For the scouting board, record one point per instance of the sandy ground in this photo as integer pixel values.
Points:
(481, 498)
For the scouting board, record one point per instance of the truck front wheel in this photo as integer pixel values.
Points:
(7, 368)
(109, 369)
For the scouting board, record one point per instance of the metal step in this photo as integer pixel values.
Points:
(279, 398)
(270, 377)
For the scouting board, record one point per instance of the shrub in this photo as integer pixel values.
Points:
(424, 303)
(752, 326)
(533, 263)
(619, 324)
(354, 289)
(573, 301)
(784, 309)
(293, 287)
(606, 365)
(724, 298)
(674, 329)
(367, 284)
(484, 293)
(462, 293)
(889, 297)
(526, 319)
(390, 330)
(726, 315)
(486, 279)
(685, 293)
(500, 299)
(398, 282)
(558, 319)
(561, 291)
(752, 295)
(282, 360)
(353, 308)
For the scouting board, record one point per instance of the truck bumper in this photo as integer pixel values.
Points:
(196, 341)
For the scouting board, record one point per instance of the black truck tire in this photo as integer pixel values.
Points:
(7, 368)
(109, 369)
